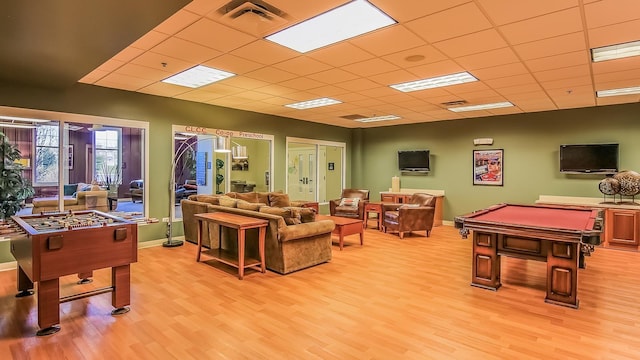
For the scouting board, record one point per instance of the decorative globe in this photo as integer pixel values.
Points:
(609, 186)
(629, 182)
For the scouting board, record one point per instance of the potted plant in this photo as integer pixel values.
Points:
(110, 176)
(14, 188)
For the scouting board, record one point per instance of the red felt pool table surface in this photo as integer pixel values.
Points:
(537, 216)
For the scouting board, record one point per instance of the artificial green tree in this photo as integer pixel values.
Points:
(14, 188)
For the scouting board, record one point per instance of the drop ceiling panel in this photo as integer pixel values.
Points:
(614, 34)
(541, 27)
(407, 10)
(559, 61)
(508, 11)
(500, 71)
(371, 67)
(439, 26)
(149, 40)
(271, 75)
(340, 54)
(612, 66)
(552, 46)
(244, 82)
(488, 59)
(234, 64)
(213, 35)
(302, 83)
(417, 56)
(471, 44)
(333, 76)
(607, 12)
(302, 66)
(393, 77)
(388, 40)
(164, 89)
(177, 22)
(567, 84)
(185, 50)
(564, 73)
(264, 52)
(142, 72)
(128, 54)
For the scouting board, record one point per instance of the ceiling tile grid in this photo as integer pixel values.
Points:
(534, 54)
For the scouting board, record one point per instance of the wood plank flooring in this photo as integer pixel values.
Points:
(390, 299)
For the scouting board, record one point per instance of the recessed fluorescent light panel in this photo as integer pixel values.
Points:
(313, 103)
(618, 92)
(436, 82)
(355, 18)
(481, 107)
(379, 118)
(198, 76)
(618, 51)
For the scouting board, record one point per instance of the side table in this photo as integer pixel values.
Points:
(373, 207)
(240, 223)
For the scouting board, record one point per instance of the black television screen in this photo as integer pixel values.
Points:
(589, 158)
(413, 160)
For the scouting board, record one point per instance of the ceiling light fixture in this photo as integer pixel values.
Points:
(379, 118)
(313, 103)
(618, 92)
(198, 76)
(481, 107)
(435, 82)
(618, 51)
(344, 22)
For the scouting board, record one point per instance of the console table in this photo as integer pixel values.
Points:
(621, 219)
(404, 195)
(240, 223)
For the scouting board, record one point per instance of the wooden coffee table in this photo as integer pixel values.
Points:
(345, 227)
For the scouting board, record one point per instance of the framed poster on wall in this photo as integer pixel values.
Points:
(488, 167)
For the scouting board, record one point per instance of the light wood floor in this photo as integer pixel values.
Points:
(391, 299)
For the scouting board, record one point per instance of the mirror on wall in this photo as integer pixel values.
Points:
(81, 165)
(215, 161)
(315, 169)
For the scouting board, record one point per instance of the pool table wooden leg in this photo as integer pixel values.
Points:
(562, 274)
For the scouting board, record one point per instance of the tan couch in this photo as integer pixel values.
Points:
(288, 248)
(84, 200)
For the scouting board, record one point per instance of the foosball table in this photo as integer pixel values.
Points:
(58, 244)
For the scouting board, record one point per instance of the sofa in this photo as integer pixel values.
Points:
(79, 196)
(136, 190)
(294, 239)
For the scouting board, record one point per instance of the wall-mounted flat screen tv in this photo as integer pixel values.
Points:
(413, 160)
(589, 158)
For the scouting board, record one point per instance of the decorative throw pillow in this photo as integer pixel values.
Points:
(209, 199)
(263, 197)
(227, 201)
(350, 202)
(250, 197)
(307, 215)
(290, 217)
(245, 205)
(279, 200)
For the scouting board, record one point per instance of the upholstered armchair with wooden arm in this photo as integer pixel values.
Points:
(347, 207)
(416, 215)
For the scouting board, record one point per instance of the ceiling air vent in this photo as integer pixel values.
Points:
(254, 17)
(353, 117)
(454, 103)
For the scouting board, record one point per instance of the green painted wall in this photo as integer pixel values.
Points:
(530, 142)
(161, 113)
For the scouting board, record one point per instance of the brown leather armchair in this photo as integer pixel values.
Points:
(416, 215)
(349, 211)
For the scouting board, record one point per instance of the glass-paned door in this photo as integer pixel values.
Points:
(301, 171)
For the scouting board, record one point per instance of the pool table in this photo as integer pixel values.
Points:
(561, 236)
